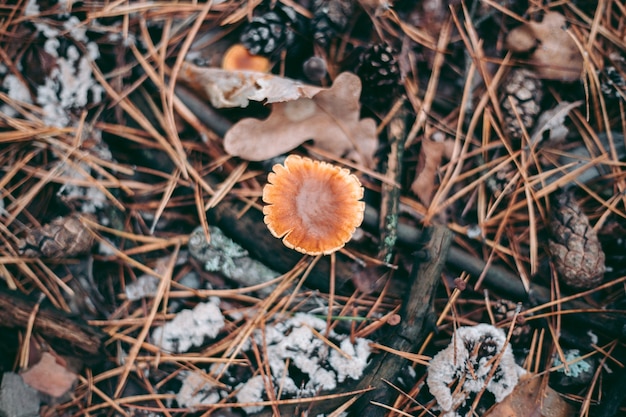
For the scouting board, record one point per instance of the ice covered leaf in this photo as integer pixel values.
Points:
(468, 360)
(49, 376)
(552, 122)
(531, 398)
(554, 54)
(228, 88)
(331, 118)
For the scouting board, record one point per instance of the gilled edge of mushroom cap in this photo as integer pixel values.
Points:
(280, 178)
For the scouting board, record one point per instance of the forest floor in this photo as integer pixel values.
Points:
(480, 157)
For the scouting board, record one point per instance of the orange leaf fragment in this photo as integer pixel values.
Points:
(49, 376)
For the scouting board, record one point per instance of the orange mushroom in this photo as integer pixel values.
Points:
(313, 206)
(238, 58)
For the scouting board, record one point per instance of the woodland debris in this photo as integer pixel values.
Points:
(531, 398)
(552, 122)
(433, 151)
(62, 237)
(50, 375)
(331, 118)
(272, 31)
(197, 390)
(222, 254)
(469, 360)
(554, 54)
(190, 327)
(228, 88)
(521, 95)
(64, 333)
(575, 248)
(330, 17)
(17, 399)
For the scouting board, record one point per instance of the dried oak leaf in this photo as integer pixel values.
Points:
(553, 53)
(531, 399)
(50, 376)
(432, 153)
(329, 117)
(228, 88)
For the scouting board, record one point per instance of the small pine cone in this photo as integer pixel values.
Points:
(380, 74)
(505, 310)
(330, 17)
(520, 96)
(63, 236)
(574, 246)
(612, 83)
(270, 32)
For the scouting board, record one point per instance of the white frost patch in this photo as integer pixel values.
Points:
(144, 286)
(197, 390)
(354, 365)
(190, 327)
(251, 392)
(323, 367)
(17, 91)
(469, 358)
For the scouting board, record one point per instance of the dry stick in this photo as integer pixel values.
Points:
(58, 328)
(390, 192)
(416, 311)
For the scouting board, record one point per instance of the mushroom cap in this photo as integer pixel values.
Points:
(238, 58)
(313, 206)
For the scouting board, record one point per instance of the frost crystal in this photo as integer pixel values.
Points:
(17, 91)
(251, 392)
(190, 327)
(314, 366)
(470, 358)
(196, 390)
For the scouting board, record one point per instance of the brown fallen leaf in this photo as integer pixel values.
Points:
(49, 376)
(555, 55)
(531, 399)
(228, 88)
(329, 117)
(431, 155)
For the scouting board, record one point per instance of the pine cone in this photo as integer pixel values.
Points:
(63, 236)
(270, 32)
(505, 310)
(380, 74)
(521, 96)
(574, 246)
(330, 17)
(612, 83)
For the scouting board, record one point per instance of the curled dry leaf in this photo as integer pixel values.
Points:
(50, 376)
(431, 154)
(554, 54)
(329, 117)
(531, 399)
(552, 121)
(227, 88)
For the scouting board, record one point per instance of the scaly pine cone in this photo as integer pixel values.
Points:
(62, 237)
(271, 32)
(521, 94)
(574, 246)
(330, 17)
(380, 74)
(505, 310)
